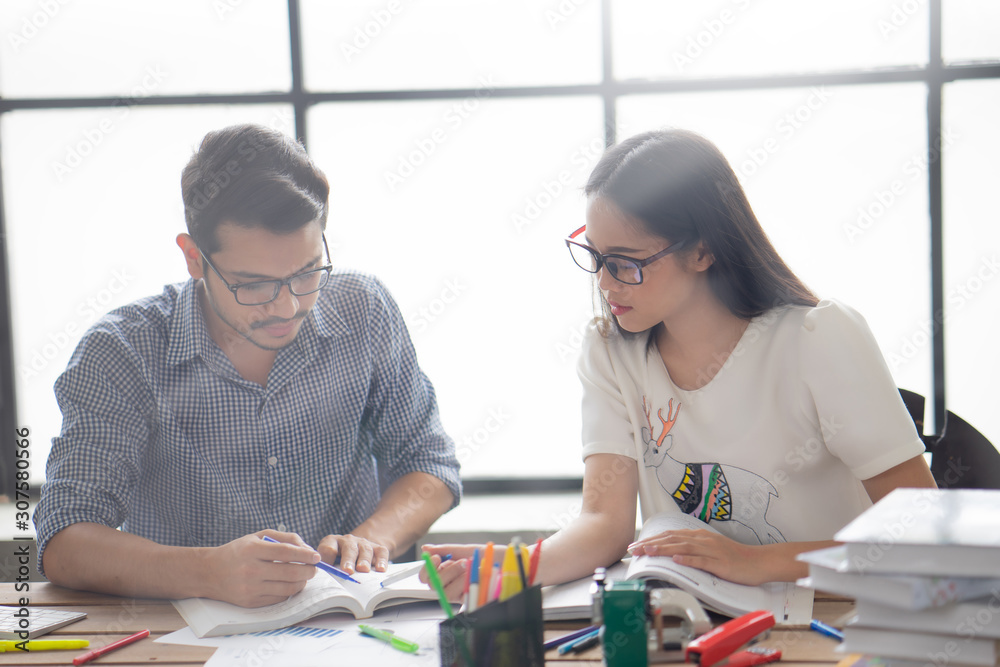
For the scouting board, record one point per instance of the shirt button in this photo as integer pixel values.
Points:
(272, 461)
(282, 527)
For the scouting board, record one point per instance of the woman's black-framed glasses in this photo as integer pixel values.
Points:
(260, 292)
(624, 269)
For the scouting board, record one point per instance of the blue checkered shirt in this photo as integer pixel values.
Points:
(162, 437)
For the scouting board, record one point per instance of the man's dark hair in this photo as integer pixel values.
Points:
(251, 176)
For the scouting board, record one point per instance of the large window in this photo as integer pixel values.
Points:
(457, 136)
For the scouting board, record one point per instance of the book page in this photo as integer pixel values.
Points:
(572, 600)
(322, 593)
(790, 604)
(209, 618)
(400, 591)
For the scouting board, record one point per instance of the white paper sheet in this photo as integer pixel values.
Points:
(350, 646)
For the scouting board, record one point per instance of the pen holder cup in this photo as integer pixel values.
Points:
(500, 634)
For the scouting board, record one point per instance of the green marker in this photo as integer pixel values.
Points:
(432, 576)
(390, 638)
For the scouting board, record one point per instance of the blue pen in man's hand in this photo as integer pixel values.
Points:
(326, 567)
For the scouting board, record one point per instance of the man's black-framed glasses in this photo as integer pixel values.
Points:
(624, 269)
(259, 292)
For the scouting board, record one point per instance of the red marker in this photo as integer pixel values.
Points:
(721, 642)
(98, 652)
(535, 557)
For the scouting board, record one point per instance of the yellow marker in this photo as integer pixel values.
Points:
(510, 580)
(43, 644)
(525, 561)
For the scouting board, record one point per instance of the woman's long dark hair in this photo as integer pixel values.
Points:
(680, 187)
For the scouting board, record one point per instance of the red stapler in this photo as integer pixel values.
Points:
(753, 656)
(724, 640)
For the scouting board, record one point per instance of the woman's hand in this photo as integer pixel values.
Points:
(451, 571)
(724, 557)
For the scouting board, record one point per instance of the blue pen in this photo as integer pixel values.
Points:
(566, 648)
(583, 645)
(824, 629)
(326, 567)
(559, 641)
(472, 598)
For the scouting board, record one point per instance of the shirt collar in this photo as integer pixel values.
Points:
(327, 321)
(188, 334)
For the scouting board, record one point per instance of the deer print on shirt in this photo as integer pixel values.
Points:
(713, 492)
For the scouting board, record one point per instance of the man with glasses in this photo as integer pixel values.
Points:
(268, 396)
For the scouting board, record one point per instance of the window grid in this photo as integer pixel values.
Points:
(935, 75)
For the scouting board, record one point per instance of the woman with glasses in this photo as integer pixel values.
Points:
(715, 383)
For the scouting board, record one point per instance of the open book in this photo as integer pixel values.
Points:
(790, 604)
(322, 594)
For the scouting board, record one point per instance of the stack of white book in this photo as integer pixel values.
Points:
(924, 568)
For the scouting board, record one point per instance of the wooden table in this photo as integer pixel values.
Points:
(110, 618)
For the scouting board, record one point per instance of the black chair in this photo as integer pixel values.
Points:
(961, 456)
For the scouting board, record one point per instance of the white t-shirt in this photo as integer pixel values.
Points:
(773, 448)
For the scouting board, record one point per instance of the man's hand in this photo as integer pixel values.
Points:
(252, 573)
(356, 554)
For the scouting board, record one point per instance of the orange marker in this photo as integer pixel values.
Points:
(485, 574)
